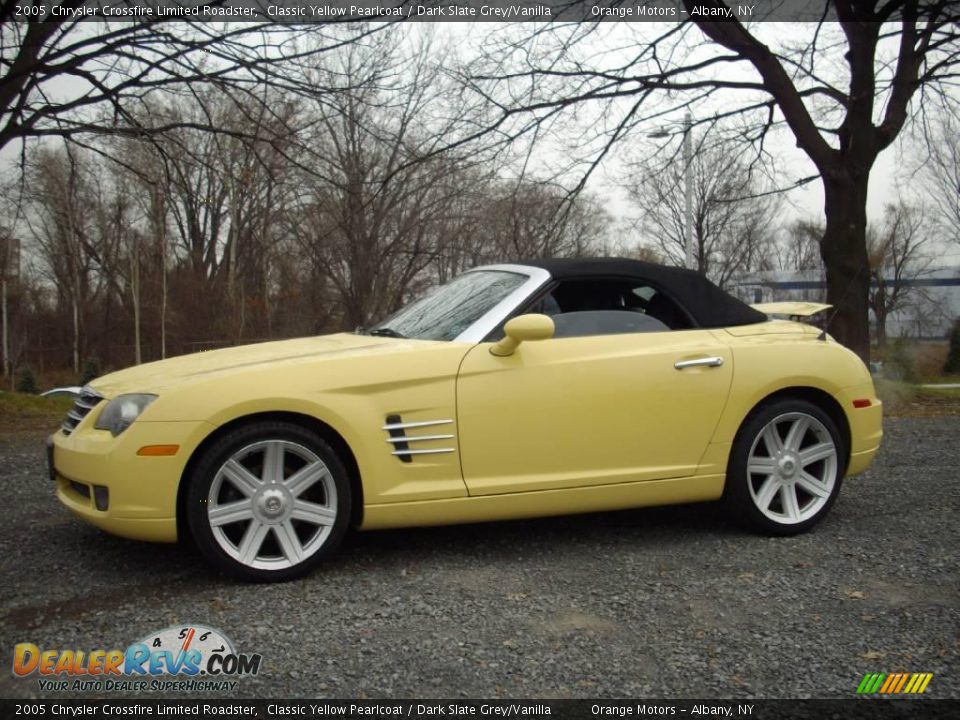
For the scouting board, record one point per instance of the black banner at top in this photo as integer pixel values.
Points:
(311, 11)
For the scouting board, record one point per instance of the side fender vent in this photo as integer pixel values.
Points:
(400, 438)
(86, 401)
(395, 429)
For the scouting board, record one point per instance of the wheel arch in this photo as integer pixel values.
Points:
(329, 434)
(822, 399)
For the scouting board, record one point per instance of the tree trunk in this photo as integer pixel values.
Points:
(163, 295)
(844, 253)
(76, 335)
(881, 326)
(135, 289)
(6, 344)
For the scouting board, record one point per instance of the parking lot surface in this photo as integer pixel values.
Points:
(654, 603)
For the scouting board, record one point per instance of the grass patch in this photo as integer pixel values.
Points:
(943, 393)
(19, 411)
(905, 400)
(924, 359)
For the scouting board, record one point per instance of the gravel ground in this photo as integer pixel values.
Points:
(670, 602)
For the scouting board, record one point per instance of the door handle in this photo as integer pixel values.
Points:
(707, 361)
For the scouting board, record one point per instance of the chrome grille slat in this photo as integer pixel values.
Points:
(438, 451)
(423, 423)
(415, 438)
(85, 402)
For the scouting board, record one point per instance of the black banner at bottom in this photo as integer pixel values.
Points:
(868, 708)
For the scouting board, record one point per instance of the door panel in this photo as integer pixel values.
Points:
(592, 410)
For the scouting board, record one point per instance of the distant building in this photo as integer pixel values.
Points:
(928, 314)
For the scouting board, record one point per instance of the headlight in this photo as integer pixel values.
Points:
(120, 412)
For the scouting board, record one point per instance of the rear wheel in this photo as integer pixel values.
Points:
(786, 467)
(268, 502)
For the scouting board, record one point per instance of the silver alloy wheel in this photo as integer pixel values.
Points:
(792, 468)
(272, 504)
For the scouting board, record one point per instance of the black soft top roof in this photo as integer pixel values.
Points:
(709, 306)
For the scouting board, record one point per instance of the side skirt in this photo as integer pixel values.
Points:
(513, 506)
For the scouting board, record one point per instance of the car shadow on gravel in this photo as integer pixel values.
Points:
(566, 534)
(179, 569)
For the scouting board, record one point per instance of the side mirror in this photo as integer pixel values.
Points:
(524, 327)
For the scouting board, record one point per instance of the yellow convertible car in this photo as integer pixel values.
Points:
(514, 391)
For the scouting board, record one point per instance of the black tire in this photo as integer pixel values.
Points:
(813, 486)
(288, 532)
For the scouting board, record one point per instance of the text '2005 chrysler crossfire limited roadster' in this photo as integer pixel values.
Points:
(513, 391)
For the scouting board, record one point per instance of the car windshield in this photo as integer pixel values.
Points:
(446, 311)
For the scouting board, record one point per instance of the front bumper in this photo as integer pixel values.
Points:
(101, 479)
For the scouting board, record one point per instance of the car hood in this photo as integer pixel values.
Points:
(154, 376)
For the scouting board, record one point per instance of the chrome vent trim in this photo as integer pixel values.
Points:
(400, 440)
(415, 438)
(405, 453)
(404, 426)
(85, 402)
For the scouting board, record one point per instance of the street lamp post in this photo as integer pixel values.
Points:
(687, 126)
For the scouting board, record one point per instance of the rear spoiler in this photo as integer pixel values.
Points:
(792, 309)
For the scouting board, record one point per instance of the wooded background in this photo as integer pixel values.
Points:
(174, 187)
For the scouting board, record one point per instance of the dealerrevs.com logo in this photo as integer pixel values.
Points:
(179, 658)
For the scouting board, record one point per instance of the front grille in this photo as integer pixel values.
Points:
(85, 402)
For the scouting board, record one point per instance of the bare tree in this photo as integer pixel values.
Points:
(377, 197)
(147, 174)
(60, 218)
(798, 248)
(733, 216)
(844, 91)
(530, 219)
(116, 69)
(898, 257)
(940, 175)
(80, 220)
(117, 244)
(210, 202)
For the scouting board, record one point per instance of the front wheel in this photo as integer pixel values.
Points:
(786, 468)
(268, 501)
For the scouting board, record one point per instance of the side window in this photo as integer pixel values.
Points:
(608, 307)
(604, 322)
(663, 308)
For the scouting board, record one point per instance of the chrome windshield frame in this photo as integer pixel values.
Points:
(488, 322)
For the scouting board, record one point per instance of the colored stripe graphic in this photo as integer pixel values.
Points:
(894, 683)
(870, 683)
